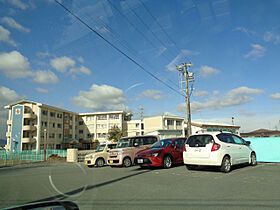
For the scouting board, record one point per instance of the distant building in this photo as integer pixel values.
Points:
(164, 126)
(29, 121)
(135, 128)
(261, 133)
(208, 127)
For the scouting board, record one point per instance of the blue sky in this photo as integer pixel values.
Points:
(48, 56)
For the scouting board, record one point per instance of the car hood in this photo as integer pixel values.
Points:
(149, 151)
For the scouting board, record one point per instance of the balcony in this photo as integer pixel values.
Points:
(8, 134)
(29, 115)
(28, 140)
(9, 122)
(28, 127)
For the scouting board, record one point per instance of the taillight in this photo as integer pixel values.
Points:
(185, 148)
(215, 147)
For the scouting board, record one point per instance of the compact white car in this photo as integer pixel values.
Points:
(218, 149)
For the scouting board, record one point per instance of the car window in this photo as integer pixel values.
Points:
(199, 140)
(112, 146)
(138, 141)
(227, 138)
(237, 139)
(149, 140)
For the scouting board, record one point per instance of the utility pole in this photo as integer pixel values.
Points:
(189, 77)
(45, 145)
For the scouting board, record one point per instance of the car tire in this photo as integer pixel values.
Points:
(100, 162)
(127, 162)
(191, 167)
(226, 165)
(167, 162)
(253, 159)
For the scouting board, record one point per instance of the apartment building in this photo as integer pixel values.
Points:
(29, 123)
(164, 126)
(135, 128)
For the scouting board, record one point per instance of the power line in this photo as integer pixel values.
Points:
(146, 25)
(116, 48)
(164, 31)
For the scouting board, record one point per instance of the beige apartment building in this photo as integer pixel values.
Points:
(29, 122)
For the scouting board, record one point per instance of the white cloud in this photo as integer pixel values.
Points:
(18, 4)
(14, 65)
(42, 90)
(233, 97)
(216, 92)
(12, 23)
(101, 98)
(152, 94)
(62, 64)
(271, 37)
(81, 70)
(275, 96)
(207, 71)
(200, 93)
(45, 77)
(176, 61)
(133, 86)
(7, 96)
(245, 30)
(257, 52)
(5, 36)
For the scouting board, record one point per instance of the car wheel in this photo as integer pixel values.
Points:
(253, 159)
(167, 162)
(100, 162)
(127, 162)
(191, 167)
(226, 165)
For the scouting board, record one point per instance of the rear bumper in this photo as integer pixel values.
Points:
(213, 160)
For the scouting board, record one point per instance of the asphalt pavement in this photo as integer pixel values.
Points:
(245, 187)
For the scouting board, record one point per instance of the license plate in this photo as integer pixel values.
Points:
(139, 160)
(111, 161)
(197, 150)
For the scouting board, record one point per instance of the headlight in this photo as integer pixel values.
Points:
(120, 152)
(90, 157)
(155, 154)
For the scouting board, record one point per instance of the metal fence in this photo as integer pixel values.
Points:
(28, 156)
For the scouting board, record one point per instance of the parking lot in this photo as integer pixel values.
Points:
(134, 188)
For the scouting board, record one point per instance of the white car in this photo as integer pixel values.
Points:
(218, 149)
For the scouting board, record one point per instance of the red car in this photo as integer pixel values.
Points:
(166, 153)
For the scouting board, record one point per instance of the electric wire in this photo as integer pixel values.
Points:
(117, 49)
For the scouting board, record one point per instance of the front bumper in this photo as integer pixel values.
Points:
(89, 162)
(115, 160)
(148, 161)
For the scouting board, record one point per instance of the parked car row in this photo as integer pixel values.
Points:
(204, 149)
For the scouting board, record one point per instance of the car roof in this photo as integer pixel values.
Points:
(213, 133)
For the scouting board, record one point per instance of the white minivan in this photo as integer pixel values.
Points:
(218, 149)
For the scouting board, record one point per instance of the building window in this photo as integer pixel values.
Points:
(111, 125)
(90, 135)
(137, 133)
(70, 126)
(51, 136)
(81, 131)
(170, 122)
(101, 126)
(53, 125)
(81, 122)
(59, 135)
(178, 123)
(102, 117)
(46, 124)
(70, 136)
(52, 114)
(137, 125)
(89, 118)
(142, 126)
(114, 116)
(44, 112)
(59, 125)
(59, 115)
(71, 118)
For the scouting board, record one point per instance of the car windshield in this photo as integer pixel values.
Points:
(100, 148)
(162, 143)
(124, 143)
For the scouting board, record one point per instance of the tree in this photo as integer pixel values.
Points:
(115, 133)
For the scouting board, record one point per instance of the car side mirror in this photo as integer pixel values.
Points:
(108, 150)
(247, 142)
